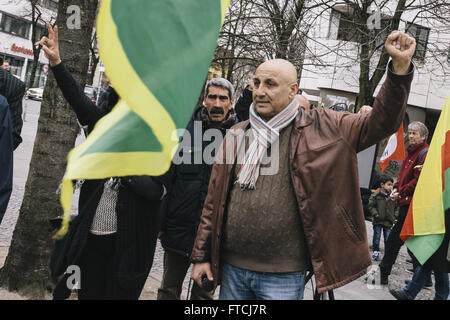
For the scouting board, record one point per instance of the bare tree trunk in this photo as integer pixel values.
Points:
(35, 16)
(365, 96)
(26, 268)
(367, 84)
(95, 58)
(36, 53)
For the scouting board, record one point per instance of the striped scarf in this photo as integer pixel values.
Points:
(265, 134)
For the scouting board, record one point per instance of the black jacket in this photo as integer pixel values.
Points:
(183, 205)
(137, 210)
(13, 90)
(6, 156)
(242, 106)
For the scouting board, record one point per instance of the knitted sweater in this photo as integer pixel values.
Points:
(264, 232)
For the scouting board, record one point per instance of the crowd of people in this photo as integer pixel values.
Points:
(401, 196)
(255, 232)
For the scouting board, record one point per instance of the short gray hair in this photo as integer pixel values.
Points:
(222, 83)
(419, 126)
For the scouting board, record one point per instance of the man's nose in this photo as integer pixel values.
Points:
(259, 92)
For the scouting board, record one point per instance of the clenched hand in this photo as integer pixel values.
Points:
(401, 48)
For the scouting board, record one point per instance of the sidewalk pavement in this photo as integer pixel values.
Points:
(356, 290)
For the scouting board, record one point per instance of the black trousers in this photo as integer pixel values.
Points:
(394, 244)
(96, 266)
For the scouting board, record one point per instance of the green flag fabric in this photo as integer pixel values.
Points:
(157, 54)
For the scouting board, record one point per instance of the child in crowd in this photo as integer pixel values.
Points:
(384, 211)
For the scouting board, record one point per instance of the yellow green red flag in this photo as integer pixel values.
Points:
(157, 54)
(424, 227)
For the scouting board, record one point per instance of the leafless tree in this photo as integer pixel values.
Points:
(355, 35)
(257, 30)
(36, 20)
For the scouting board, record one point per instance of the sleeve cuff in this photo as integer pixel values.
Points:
(198, 260)
(57, 67)
(390, 69)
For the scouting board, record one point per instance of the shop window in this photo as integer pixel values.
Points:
(421, 35)
(15, 26)
(342, 26)
(382, 34)
(15, 65)
(39, 77)
(41, 32)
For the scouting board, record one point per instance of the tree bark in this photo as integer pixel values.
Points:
(26, 268)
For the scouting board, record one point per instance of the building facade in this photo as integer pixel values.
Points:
(336, 80)
(16, 29)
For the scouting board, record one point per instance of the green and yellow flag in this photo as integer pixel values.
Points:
(424, 227)
(157, 54)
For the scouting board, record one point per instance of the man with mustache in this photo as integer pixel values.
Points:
(259, 234)
(184, 202)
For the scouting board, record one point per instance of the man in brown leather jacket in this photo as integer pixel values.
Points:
(261, 230)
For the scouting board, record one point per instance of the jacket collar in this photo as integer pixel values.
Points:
(303, 119)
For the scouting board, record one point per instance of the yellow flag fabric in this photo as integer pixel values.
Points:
(424, 226)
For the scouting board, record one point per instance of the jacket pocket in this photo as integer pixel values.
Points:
(349, 226)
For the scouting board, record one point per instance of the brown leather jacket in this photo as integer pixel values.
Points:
(324, 175)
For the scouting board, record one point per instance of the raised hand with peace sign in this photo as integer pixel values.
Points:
(50, 46)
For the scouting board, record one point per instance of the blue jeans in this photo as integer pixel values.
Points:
(241, 284)
(419, 279)
(377, 229)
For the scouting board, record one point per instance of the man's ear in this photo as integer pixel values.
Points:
(293, 90)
